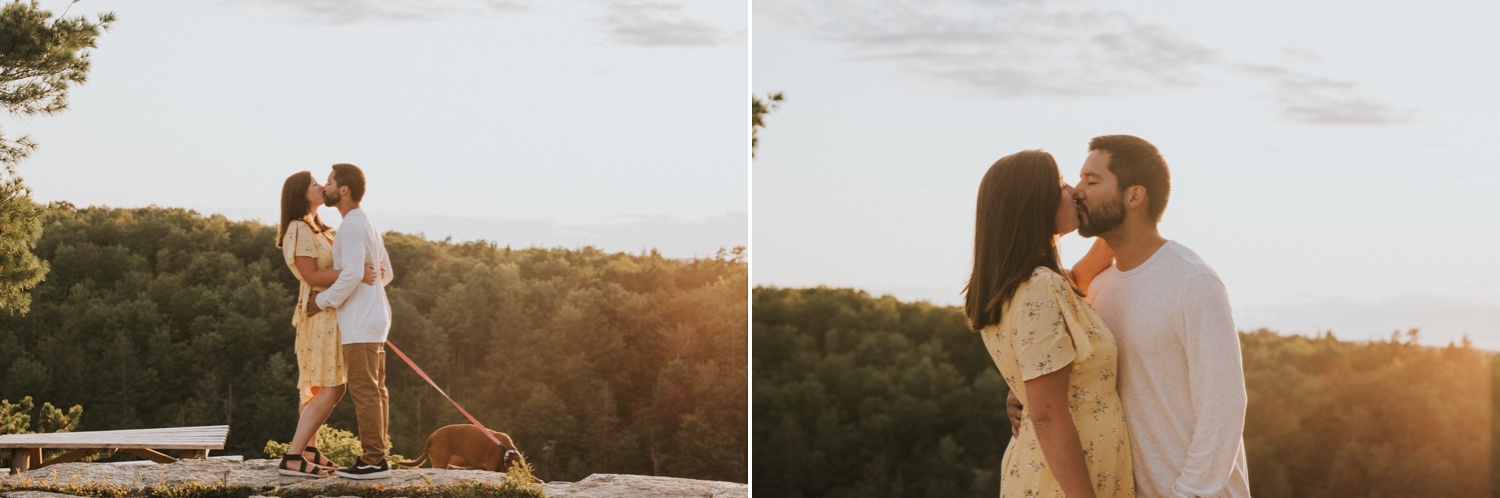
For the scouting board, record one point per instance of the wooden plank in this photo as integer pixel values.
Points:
(159, 446)
(127, 432)
(149, 454)
(84, 437)
(207, 429)
(69, 436)
(177, 438)
(25, 442)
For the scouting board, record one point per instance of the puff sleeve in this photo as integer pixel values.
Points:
(1048, 333)
(299, 240)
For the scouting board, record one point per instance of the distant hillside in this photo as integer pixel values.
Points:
(593, 362)
(862, 396)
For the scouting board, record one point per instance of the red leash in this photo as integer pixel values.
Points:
(461, 409)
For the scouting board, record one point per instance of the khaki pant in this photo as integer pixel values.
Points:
(366, 366)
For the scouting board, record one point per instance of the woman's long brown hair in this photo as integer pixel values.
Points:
(1015, 231)
(294, 204)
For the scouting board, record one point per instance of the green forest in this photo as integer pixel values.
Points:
(593, 362)
(861, 396)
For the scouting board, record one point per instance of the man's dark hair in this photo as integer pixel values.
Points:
(1136, 162)
(349, 175)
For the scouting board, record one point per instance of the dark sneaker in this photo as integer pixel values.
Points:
(363, 471)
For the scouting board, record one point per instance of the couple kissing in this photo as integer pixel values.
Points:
(342, 319)
(1124, 370)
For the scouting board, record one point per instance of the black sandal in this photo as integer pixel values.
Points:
(320, 460)
(303, 469)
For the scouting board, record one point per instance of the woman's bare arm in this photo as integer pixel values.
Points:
(1047, 400)
(1098, 259)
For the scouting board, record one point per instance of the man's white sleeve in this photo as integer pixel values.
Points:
(351, 249)
(385, 262)
(1216, 377)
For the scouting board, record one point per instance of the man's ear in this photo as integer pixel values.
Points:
(1136, 197)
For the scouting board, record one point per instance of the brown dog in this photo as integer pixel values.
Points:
(465, 445)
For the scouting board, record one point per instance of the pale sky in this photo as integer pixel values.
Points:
(612, 123)
(1334, 162)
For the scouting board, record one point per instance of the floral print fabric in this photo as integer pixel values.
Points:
(320, 359)
(1045, 327)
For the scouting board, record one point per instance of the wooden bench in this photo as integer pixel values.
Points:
(193, 442)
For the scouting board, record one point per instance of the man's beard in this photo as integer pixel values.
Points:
(1092, 222)
(331, 201)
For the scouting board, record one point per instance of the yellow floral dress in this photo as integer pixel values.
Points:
(320, 359)
(1044, 328)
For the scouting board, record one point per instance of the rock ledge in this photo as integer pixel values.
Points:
(261, 474)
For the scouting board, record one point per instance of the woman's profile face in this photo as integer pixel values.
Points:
(1067, 211)
(314, 196)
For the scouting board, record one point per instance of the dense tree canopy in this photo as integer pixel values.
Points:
(862, 396)
(591, 361)
(1384, 418)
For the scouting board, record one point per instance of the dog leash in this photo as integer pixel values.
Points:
(434, 385)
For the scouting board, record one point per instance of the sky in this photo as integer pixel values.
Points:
(1334, 162)
(612, 123)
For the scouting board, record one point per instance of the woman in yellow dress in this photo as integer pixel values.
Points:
(307, 247)
(1052, 349)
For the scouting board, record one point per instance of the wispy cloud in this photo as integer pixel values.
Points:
(1010, 49)
(1310, 99)
(640, 23)
(1006, 49)
(1302, 55)
(662, 24)
(339, 12)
